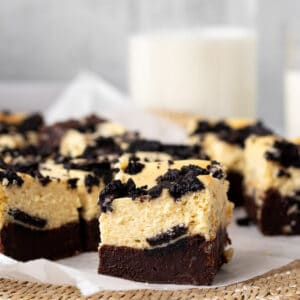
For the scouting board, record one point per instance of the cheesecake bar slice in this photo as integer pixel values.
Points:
(224, 141)
(165, 223)
(38, 214)
(272, 185)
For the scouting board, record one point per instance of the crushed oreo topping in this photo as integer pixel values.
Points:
(155, 191)
(50, 136)
(72, 183)
(91, 181)
(9, 177)
(285, 153)
(166, 237)
(180, 182)
(27, 219)
(32, 123)
(176, 151)
(28, 167)
(283, 173)
(229, 134)
(102, 146)
(144, 145)
(134, 166)
(216, 170)
(100, 169)
(30, 151)
(117, 189)
(177, 182)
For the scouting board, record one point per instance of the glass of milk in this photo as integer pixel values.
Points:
(292, 81)
(199, 68)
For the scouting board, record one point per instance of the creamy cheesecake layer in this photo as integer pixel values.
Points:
(132, 223)
(86, 185)
(32, 204)
(262, 174)
(230, 155)
(73, 143)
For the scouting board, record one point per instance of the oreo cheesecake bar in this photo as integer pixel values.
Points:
(224, 141)
(272, 186)
(74, 137)
(166, 223)
(19, 130)
(39, 213)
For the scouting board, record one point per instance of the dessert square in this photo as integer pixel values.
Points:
(39, 214)
(166, 223)
(272, 184)
(224, 141)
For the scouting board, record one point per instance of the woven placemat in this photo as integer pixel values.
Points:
(282, 283)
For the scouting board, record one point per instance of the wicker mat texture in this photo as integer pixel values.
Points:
(282, 283)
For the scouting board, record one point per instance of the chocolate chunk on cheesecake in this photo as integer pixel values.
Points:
(165, 223)
(38, 214)
(19, 130)
(272, 187)
(224, 141)
(172, 151)
(75, 137)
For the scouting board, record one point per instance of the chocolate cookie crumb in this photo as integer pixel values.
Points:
(134, 166)
(72, 183)
(91, 181)
(9, 177)
(283, 173)
(25, 218)
(166, 237)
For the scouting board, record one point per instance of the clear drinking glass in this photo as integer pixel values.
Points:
(195, 56)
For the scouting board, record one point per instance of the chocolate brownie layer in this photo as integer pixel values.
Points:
(23, 243)
(90, 234)
(278, 214)
(235, 192)
(191, 260)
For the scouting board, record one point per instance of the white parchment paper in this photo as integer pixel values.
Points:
(254, 254)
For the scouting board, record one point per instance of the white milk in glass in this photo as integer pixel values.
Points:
(210, 71)
(292, 103)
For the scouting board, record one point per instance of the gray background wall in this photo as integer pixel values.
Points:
(52, 40)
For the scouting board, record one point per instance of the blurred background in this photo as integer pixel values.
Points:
(212, 57)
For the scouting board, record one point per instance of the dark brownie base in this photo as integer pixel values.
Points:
(276, 213)
(191, 260)
(235, 192)
(23, 244)
(90, 234)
